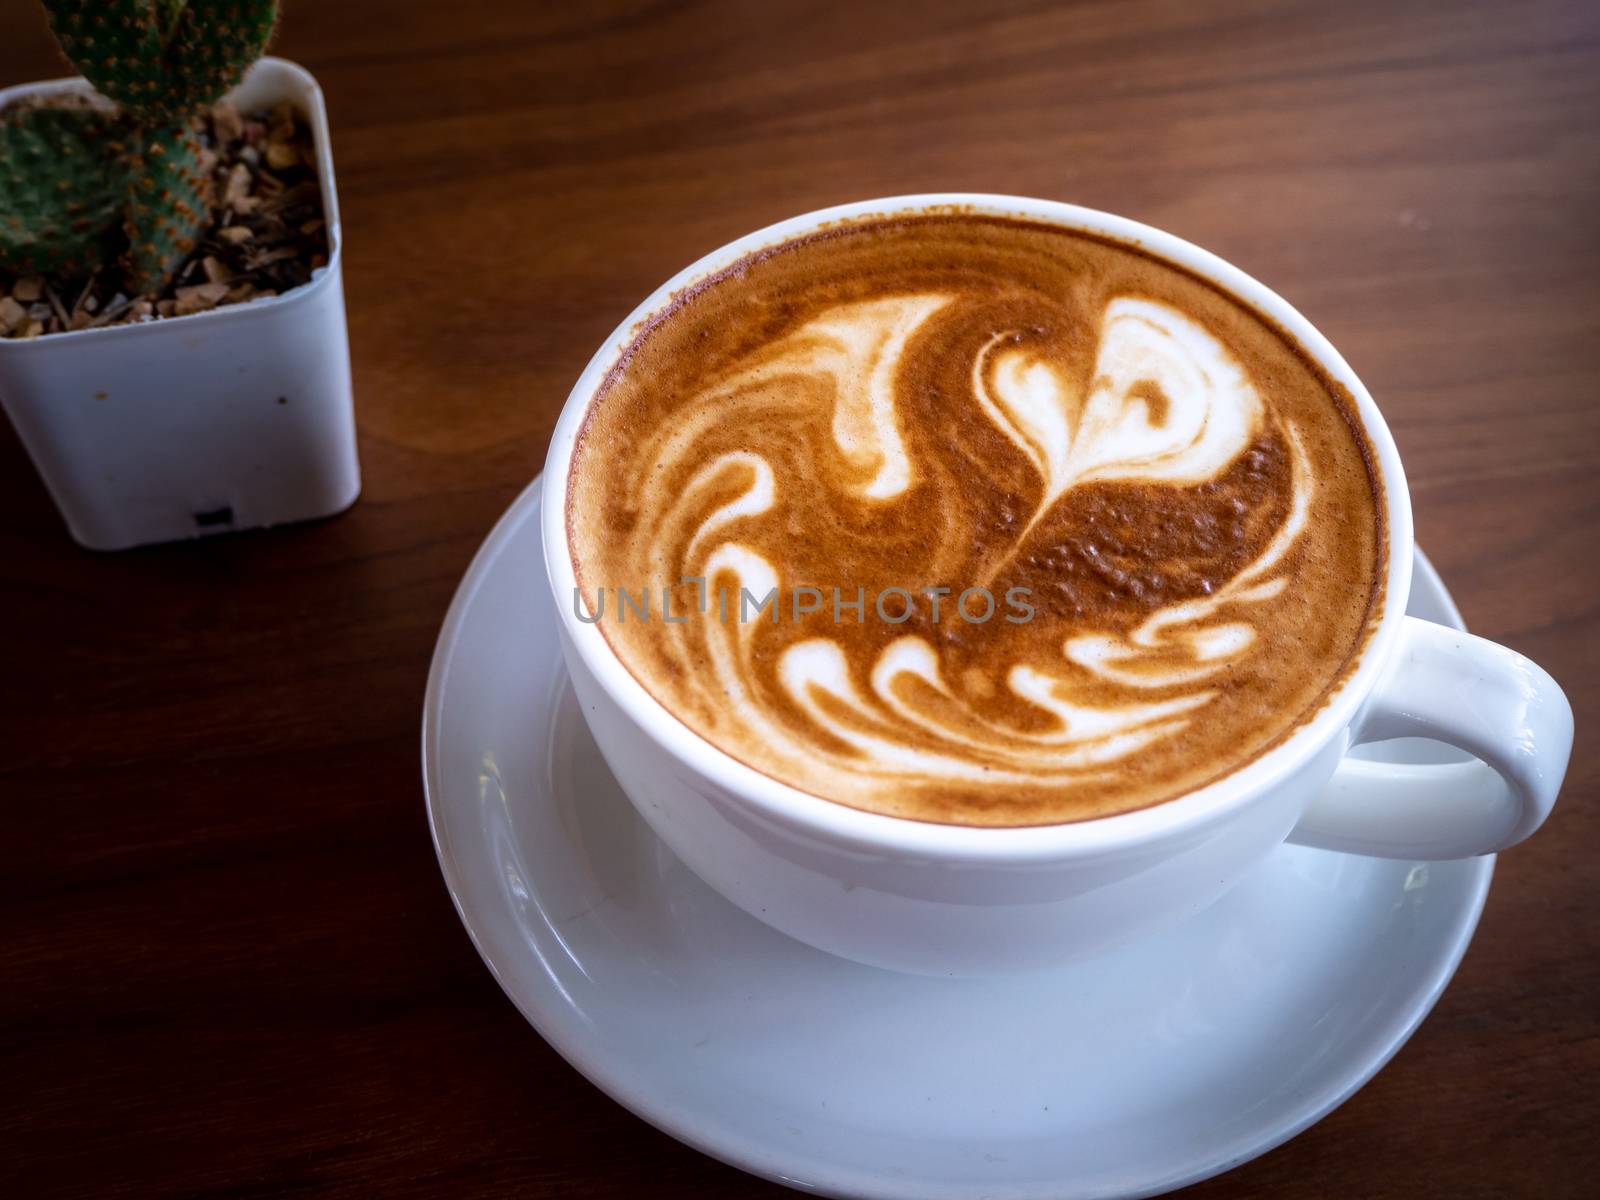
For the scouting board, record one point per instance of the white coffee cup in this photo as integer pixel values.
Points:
(945, 899)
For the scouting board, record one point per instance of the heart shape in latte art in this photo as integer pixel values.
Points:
(1168, 403)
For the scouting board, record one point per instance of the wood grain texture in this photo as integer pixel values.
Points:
(228, 966)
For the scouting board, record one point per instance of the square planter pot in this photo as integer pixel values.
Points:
(230, 419)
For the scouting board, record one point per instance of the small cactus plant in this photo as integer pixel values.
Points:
(76, 182)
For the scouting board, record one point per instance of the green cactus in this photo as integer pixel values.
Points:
(68, 187)
(168, 202)
(61, 192)
(162, 59)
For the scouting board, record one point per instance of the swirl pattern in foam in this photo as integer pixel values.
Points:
(966, 519)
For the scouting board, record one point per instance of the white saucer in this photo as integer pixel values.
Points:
(1138, 1072)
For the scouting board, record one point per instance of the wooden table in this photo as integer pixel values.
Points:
(228, 964)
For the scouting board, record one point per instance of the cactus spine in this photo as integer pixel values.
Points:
(163, 62)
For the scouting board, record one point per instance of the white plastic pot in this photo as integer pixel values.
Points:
(223, 420)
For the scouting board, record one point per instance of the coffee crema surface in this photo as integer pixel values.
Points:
(1170, 514)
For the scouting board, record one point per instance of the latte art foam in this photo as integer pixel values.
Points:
(971, 404)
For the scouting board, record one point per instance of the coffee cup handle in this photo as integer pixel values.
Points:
(1467, 692)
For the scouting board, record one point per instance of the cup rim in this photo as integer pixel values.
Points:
(805, 813)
